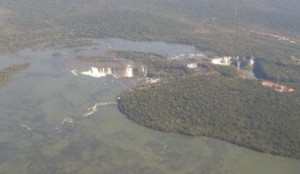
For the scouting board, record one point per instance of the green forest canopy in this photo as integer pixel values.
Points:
(220, 25)
(239, 111)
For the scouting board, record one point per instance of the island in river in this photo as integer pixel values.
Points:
(8, 72)
(241, 111)
(106, 141)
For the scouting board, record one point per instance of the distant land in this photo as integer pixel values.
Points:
(267, 29)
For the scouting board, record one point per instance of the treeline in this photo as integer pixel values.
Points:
(212, 25)
(239, 111)
(220, 26)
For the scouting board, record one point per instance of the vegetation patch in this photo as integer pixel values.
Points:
(7, 73)
(157, 65)
(277, 71)
(225, 27)
(239, 111)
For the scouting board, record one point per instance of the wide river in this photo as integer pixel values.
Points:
(35, 102)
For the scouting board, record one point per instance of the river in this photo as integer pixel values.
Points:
(106, 141)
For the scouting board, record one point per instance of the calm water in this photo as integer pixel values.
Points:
(106, 141)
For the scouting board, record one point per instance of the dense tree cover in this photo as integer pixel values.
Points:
(239, 111)
(220, 25)
(228, 71)
(277, 71)
(8, 72)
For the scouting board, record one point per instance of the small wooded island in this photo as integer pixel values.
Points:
(241, 111)
(8, 72)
